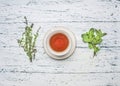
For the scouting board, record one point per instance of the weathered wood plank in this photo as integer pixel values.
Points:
(41, 79)
(80, 68)
(53, 2)
(63, 11)
(9, 33)
(15, 60)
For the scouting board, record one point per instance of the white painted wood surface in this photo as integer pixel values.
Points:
(78, 70)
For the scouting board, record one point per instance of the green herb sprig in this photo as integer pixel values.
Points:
(93, 38)
(28, 40)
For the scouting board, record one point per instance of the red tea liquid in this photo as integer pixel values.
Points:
(59, 42)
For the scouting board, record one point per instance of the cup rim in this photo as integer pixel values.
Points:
(70, 49)
(58, 53)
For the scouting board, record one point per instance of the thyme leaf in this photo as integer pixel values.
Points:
(28, 40)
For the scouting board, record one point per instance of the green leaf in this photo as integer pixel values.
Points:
(104, 34)
(93, 37)
(94, 41)
(96, 49)
(97, 38)
(99, 41)
(91, 34)
(90, 45)
(100, 32)
(91, 31)
(85, 38)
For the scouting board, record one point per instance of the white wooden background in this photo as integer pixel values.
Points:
(78, 70)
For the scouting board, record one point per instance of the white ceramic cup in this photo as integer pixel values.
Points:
(68, 51)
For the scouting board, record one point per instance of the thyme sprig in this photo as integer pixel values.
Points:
(28, 40)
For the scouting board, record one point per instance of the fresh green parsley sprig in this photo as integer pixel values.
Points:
(93, 38)
(28, 40)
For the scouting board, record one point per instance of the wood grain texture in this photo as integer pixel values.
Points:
(78, 63)
(81, 69)
(37, 79)
(62, 10)
(13, 33)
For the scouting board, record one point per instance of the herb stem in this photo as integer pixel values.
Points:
(28, 40)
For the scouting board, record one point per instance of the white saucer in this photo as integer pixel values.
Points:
(70, 49)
